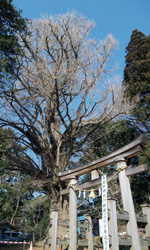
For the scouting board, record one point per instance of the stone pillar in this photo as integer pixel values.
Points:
(73, 215)
(146, 211)
(128, 205)
(89, 231)
(53, 229)
(113, 229)
(63, 215)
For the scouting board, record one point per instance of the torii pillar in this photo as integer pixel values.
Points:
(128, 205)
(73, 215)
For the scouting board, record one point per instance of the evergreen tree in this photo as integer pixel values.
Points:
(14, 191)
(15, 188)
(11, 23)
(137, 77)
(35, 215)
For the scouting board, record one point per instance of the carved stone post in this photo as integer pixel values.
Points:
(128, 205)
(113, 229)
(73, 215)
(89, 231)
(146, 211)
(53, 229)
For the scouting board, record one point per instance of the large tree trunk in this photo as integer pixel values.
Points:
(60, 205)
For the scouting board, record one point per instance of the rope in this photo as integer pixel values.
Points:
(81, 189)
(99, 186)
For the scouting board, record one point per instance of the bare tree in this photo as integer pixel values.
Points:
(62, 86)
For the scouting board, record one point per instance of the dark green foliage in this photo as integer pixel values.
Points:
(35, 215)
(14, 191)
(140, 189)
(140, 183)
(18, 205)
(137, 77)
(11, 23)
(137, 83)
(6, 142)
(108, 138)
(15, 188)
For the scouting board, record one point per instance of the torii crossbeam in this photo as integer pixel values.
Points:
(126, 152)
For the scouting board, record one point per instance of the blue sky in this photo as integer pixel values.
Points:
(118, 17)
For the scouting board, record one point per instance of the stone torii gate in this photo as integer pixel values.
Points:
(119, 158)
